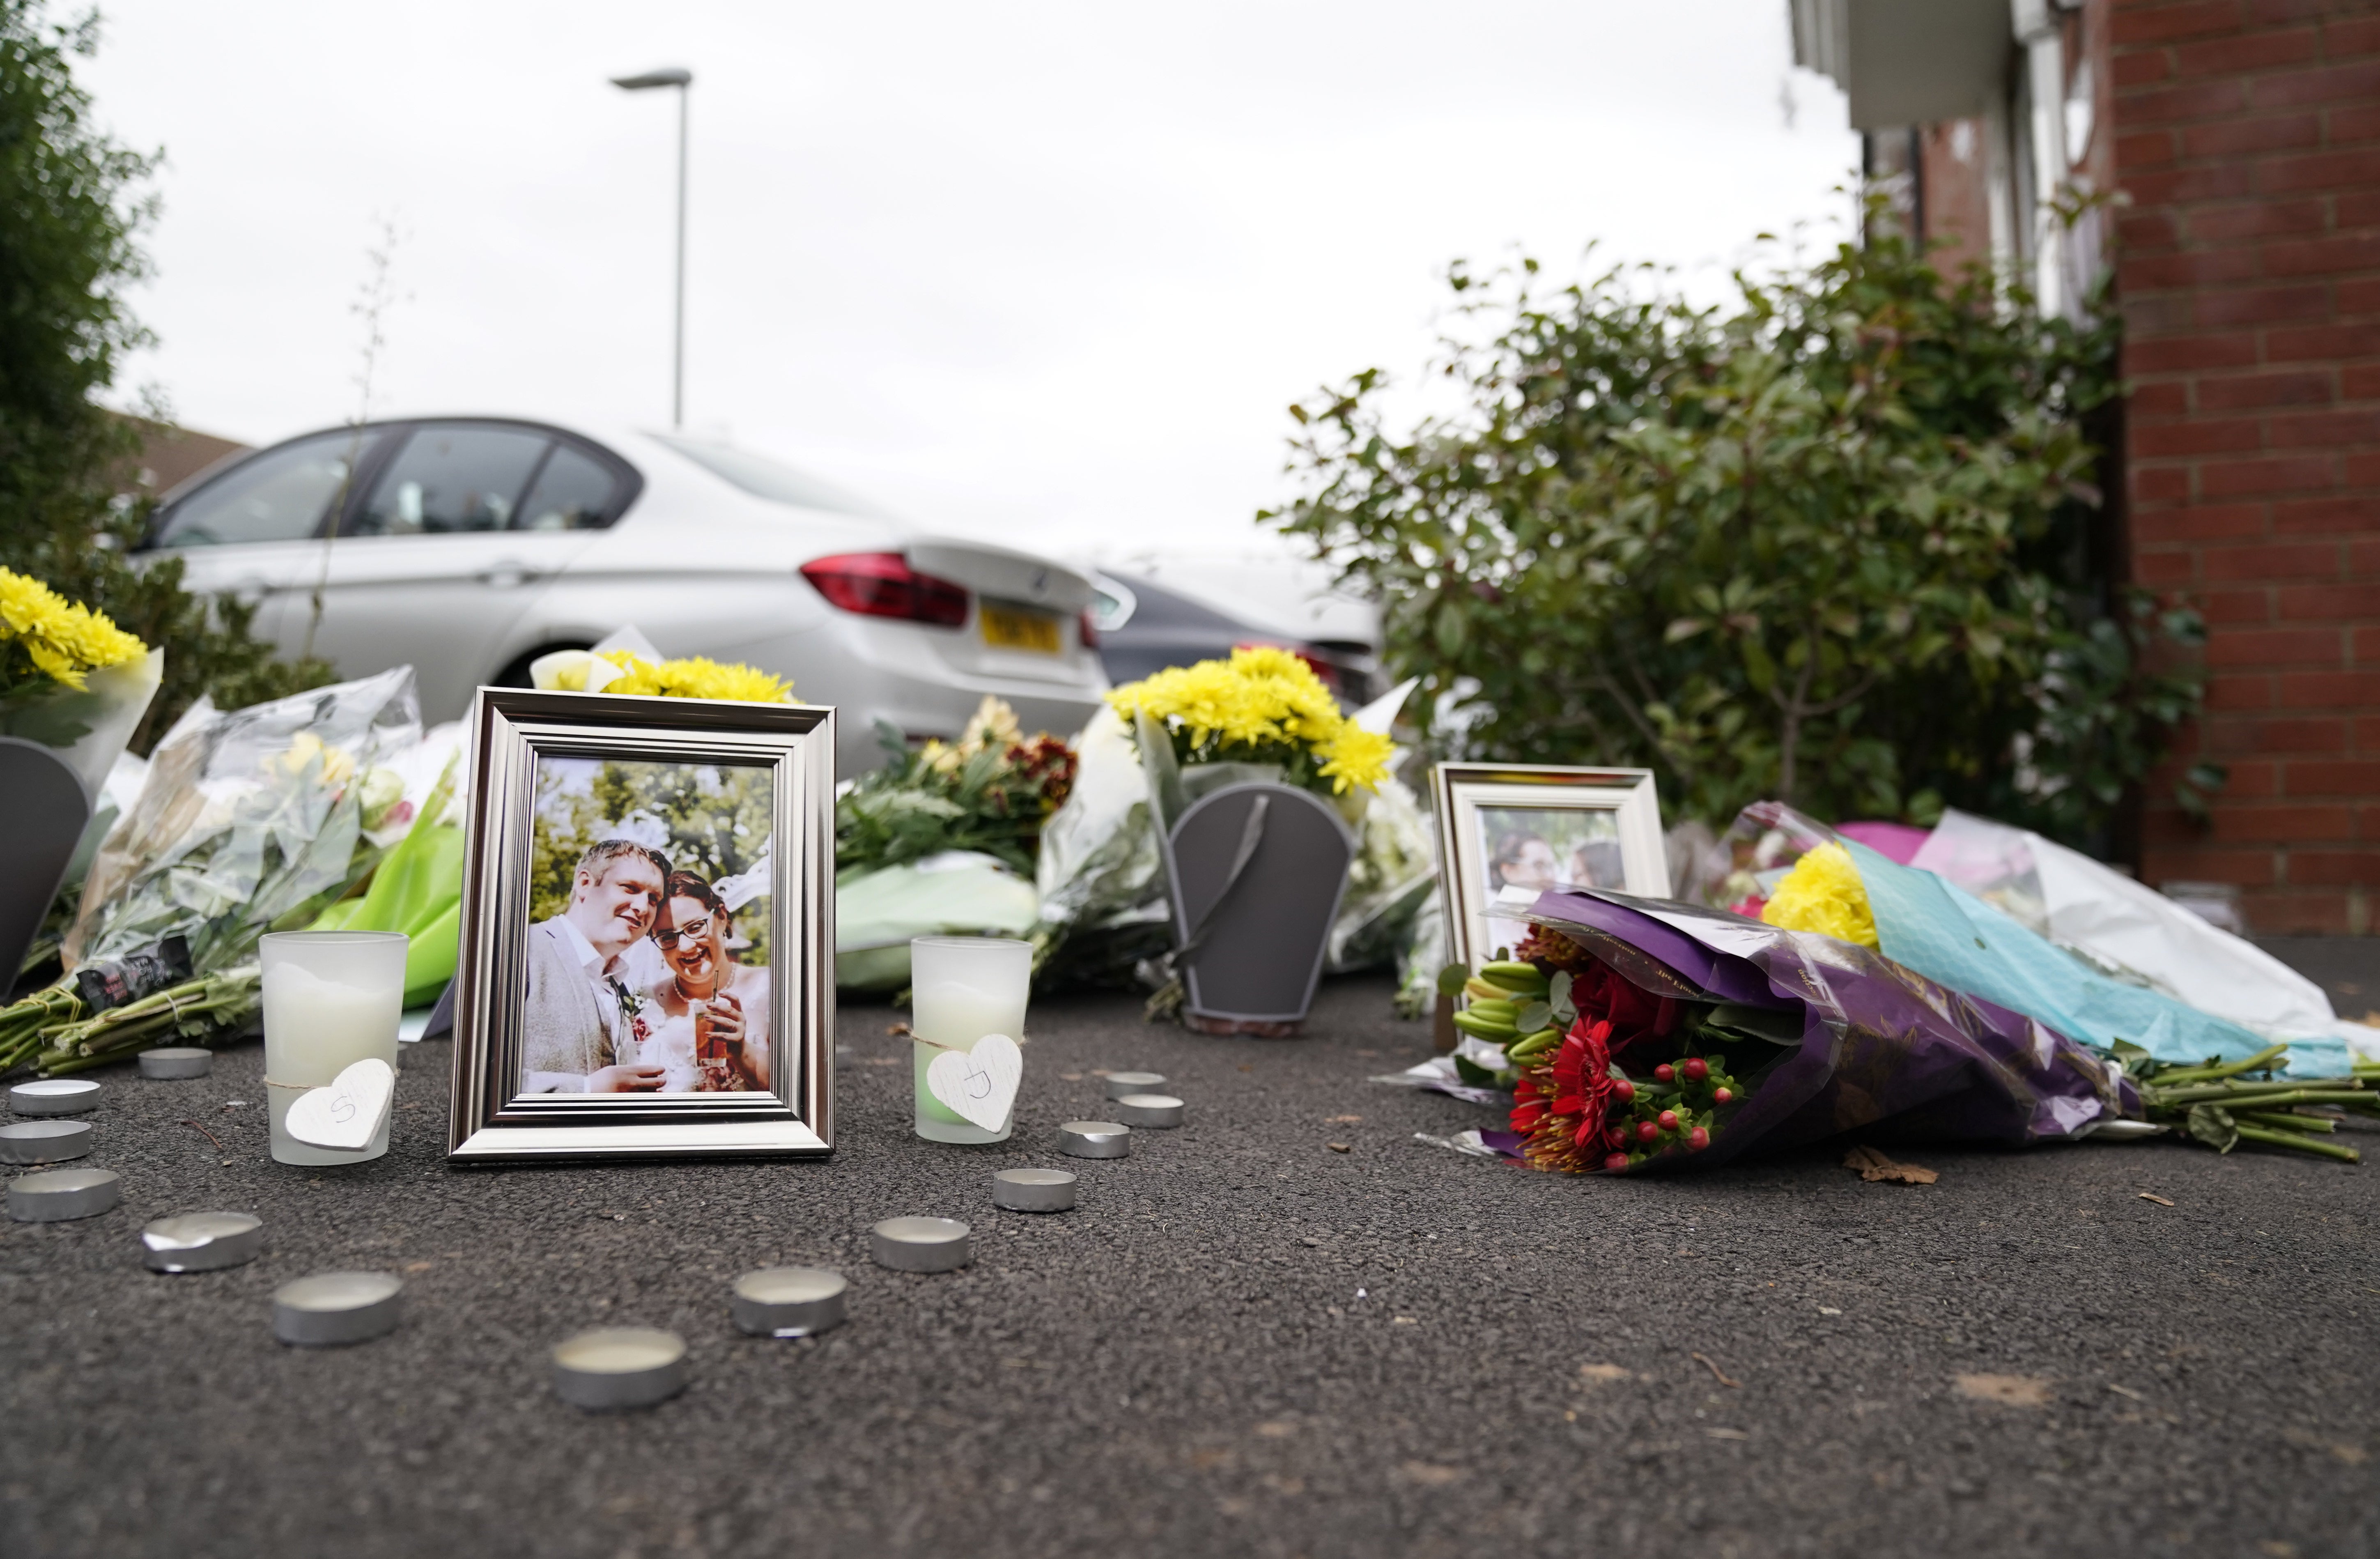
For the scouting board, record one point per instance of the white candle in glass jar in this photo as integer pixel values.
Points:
(961, 989)
(330, 999)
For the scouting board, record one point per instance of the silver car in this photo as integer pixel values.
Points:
(467, 546)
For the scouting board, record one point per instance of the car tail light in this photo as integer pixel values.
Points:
(1324, 669)
(882, 584)
(1091, 631)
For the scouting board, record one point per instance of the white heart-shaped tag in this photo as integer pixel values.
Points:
(345, 1115)
(979, 1084)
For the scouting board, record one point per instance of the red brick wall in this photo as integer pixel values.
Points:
(2247, 137)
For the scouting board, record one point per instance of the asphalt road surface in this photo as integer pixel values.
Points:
(1244, 1340)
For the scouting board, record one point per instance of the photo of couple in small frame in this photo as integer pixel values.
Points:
(648, 930)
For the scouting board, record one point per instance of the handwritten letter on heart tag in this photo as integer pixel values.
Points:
(979, 1084)
(345, 1115)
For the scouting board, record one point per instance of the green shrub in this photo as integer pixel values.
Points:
(1831, 544)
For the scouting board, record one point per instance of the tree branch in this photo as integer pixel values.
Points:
(1683, 769)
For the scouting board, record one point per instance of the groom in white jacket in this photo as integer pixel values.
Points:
(575, 1035)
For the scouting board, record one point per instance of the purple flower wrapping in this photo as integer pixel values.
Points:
(1884, 1051)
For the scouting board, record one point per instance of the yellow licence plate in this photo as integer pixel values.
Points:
(1005, 627)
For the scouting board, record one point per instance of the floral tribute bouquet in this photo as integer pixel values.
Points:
(1167, 740)
(988, 791)
(1264, 710)
(942, 841)
(249, 823)
(1671, 1038)
(69, 678)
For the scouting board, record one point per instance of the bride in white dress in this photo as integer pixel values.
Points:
(707, 1023)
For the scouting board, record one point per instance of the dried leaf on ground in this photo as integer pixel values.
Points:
(2161, 1201)
(1717, 1373)
(1873, 1166)
(1338, 1147)
(2011, 1391)
(1601, 1374)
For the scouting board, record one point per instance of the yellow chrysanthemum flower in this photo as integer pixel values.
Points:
(1261, 697)
(1824, 892)
(65, 640)
(1355, 756)
(696, 677)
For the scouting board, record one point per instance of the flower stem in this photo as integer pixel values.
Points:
(2301, 1144)
(2256, 1063)
(2281, 1121)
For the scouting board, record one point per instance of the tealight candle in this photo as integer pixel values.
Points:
(962, 988)
(54, 1096)
(1149, 1109)
(1033, 1190)
(176, 1062)
(55, 1195)
(922, 1245)
(620, 1367)
(1122, 1083)
(330, 999)
(202, 1242)
(788, 1301)
(43, 1141)
(331, 1308)
(1095, 1140)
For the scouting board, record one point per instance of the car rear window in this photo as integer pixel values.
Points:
(571, 494)
(764, 478)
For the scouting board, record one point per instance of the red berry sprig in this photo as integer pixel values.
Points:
(1674, 1110)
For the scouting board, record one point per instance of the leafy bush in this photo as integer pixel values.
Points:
(1828, 545)
(67, 253)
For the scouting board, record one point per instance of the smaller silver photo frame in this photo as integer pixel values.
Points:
(512, 730)
(1539, 827)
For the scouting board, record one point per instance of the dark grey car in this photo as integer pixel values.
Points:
(1145, 628)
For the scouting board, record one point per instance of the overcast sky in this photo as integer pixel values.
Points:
(1047, 271)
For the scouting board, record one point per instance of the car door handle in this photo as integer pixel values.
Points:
(506, 576)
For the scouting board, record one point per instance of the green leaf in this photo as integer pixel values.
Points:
(2213, 1124)
(1758, 669)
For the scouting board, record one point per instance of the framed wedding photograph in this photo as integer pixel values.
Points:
(1509, 831)
(648, 954)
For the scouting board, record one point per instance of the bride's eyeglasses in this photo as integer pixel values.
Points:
(698, 930)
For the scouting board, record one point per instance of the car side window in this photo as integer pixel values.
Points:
(573, 492)
(451, 479)
(280, 495)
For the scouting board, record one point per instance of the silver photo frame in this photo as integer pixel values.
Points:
(1600, 824)
(512, 731)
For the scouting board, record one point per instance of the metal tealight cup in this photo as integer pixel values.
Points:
(43, 1141)
(1149, 1109)
(330, 1309)
(54, 1096)
(54, 1196)
(788, 1301)
(176, 1063)
(1033, 1190)
(1121, 1083)
(620, 1367)
(1095, 1140)
(202, 1242)
(922, 1245)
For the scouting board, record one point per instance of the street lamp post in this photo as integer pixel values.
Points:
(683, 79)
